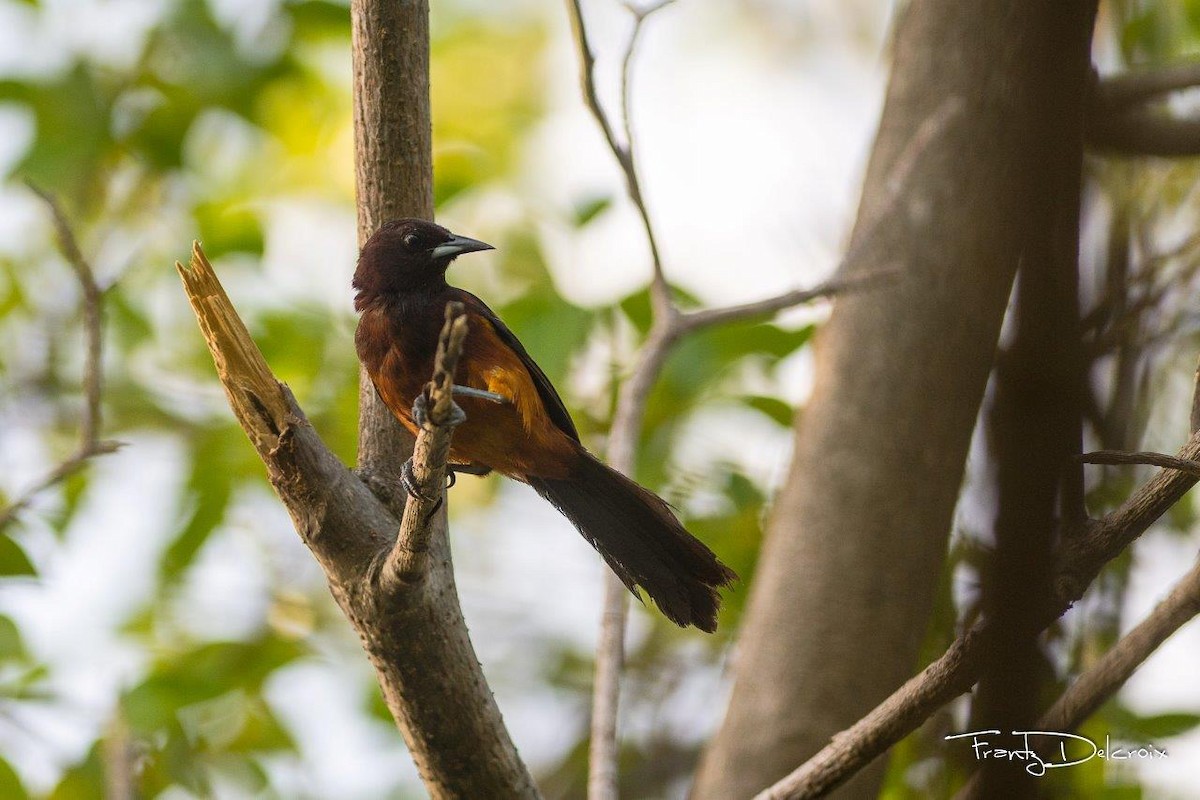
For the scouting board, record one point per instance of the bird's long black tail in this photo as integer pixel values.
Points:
(642, 541)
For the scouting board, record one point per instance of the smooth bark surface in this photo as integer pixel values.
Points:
(857, 540)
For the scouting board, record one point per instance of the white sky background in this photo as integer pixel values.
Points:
(751, 148)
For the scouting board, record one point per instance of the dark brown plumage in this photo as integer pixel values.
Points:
(401, 295)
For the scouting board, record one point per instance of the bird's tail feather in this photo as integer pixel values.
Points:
(641, 540)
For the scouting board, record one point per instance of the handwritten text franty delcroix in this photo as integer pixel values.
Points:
(1042, 751)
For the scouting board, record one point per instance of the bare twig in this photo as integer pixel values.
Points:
(1195, 416)
(1113, 669)
(707, 317)
(119, 757)
(623, 152)
(92, 303)
(610, 654)
(408, 560)
(1152, 459)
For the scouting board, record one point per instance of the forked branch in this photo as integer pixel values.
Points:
(413, 628)
(92, 303)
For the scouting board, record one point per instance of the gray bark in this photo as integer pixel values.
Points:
(845, 582)
(430, 675)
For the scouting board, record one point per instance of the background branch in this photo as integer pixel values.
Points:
(92, 304)
(1144, 132)
(1127, 116)
(668, 326)
(1152, 459)
(1080, 556)
(1106, 677)
(1117, 92)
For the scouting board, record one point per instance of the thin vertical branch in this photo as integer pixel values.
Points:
(631, 405)
(668, 326)
(92, 305)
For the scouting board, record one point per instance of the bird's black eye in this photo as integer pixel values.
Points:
(410, 241)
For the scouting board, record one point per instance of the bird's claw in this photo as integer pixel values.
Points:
(409, 481)
(420, 410)
(457, 416)
(420, 413)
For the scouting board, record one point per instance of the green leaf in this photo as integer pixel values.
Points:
(214, 472)
(589, 208)
(551, 329)
(229, 228)
(1152, 728)
(71, 115)
(11, 787)
(772, 407)
(316, 20)
(202, 674)
(637, 310)
(11, 645)
(13, 561)
(82, 781)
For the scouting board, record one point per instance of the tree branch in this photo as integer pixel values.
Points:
(1106, 677)
(409, 558)
(1114, 668)
(413, 631)
(92, 303)
(1144, 132)
(1080, 556)
(1152, 459)
(707, 317)
(623, 153)
(1126, 117)
(1118, 92)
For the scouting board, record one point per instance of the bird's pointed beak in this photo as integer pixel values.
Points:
(458, 245)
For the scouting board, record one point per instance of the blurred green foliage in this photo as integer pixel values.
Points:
(201, 132)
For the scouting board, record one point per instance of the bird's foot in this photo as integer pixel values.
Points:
(453, 470)
(414, 491)
(478, 470)
(409, 482)
(420, 413)
(482, 394)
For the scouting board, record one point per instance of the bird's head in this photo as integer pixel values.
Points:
(408, 255)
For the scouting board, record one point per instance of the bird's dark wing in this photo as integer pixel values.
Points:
(550, 399)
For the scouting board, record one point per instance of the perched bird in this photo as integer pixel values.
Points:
(402, 295)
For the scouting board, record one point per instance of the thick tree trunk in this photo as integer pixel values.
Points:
(857, 540)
